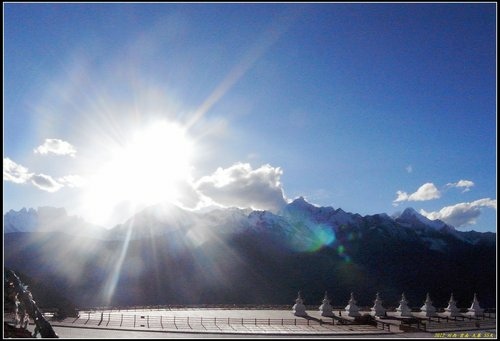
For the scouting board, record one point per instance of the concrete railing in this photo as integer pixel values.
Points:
(148, 321)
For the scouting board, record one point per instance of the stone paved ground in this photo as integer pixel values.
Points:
(252, 322)
(249, 323)
(218, 321)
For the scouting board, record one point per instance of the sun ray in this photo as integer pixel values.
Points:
(114, 277)
(260, 47)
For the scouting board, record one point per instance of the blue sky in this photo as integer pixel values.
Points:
(368, 107)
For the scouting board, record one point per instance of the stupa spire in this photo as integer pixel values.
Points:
(403, 309)
(325, 308)
(428, 309)
(377, 308)
(475, 309)
(299, 309)
(452, 310)
(352, 309)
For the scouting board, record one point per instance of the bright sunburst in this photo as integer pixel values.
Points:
(145, 170)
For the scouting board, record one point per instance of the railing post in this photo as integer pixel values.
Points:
(134, 320)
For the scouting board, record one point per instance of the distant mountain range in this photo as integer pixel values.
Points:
(167, 255)
(48, 219)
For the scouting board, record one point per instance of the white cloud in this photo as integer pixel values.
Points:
(18, 174)
(409, 168)
(461, 214)
(426, 192)
(466, 184)
(242, 186)
(14, 172)
(56, 146)
(402, 196)
(45, 182)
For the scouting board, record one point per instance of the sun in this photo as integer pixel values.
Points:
(148, 168)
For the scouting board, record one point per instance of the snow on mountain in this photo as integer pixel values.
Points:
(224, 220)
(164, 219)
(153, 221)
(410, 217)
(20, 221)
(301, 209)
(298, 218)
(49, 219)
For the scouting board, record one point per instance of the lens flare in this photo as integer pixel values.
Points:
(311, 237)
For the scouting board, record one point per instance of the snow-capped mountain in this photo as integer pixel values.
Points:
(299, 214)
(412, 218)
(20, 221)
(246, 256)
(49, 219)
(300, 209)
(163, 219)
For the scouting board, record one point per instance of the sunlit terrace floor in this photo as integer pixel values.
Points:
(272, 322)
(249, 323)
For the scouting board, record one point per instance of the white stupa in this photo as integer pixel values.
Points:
(299, 309)
(428, 309)
(325, 308)
(352, 309)
(403, 309)
(378, 309)
(452, 310)
(475, 309)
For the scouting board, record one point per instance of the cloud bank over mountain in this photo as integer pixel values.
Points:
(461, 214)
(242, 186)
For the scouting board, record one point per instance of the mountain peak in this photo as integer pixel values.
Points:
(299, 204)
(300, 200)
(410, 215)
(409, 212)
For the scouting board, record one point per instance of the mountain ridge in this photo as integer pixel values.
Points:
(244, 256)
(157, 219)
